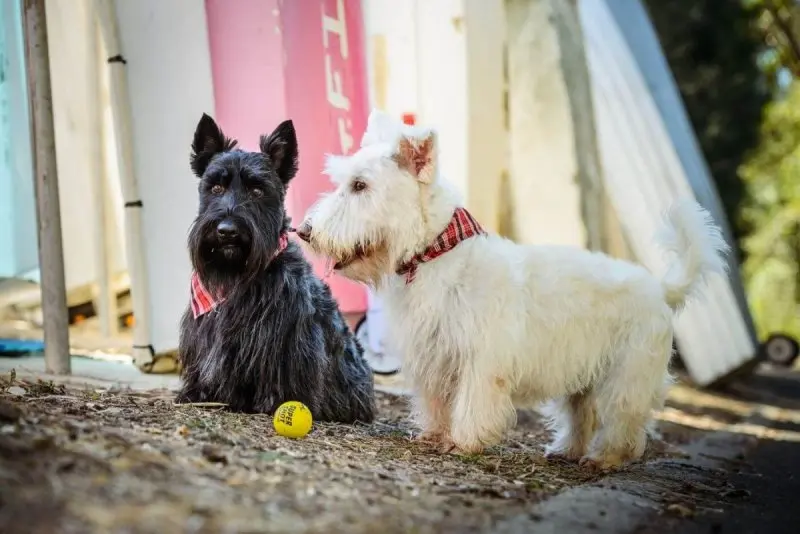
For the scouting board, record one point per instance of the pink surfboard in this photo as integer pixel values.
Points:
(304, 60)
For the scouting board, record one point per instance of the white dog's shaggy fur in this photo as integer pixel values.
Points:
(491, 324)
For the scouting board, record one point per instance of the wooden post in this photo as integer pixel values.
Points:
(51, 253)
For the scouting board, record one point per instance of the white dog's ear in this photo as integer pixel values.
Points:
(333, 164)
(381, 128)
(416, 154)
(336, 167)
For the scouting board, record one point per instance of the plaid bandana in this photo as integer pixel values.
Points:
(202, 299)
(462, 226)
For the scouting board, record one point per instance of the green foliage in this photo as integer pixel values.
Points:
(778, 24)
(772, 176)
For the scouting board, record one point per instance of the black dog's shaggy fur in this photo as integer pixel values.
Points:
(278, 335)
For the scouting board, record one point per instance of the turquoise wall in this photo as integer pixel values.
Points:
(18, 252)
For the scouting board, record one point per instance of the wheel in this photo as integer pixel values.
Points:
(780, 349)
(380, 363)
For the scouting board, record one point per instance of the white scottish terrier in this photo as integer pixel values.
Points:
(484, 325)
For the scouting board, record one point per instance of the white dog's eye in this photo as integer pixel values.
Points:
(358, 185)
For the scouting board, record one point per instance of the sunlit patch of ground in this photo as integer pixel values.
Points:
(706, 411)
(75, 460)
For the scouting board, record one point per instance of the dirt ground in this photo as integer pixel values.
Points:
(82, 461)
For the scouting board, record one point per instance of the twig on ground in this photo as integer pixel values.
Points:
(200, 404)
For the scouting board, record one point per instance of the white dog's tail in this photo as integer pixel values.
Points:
(696, 249)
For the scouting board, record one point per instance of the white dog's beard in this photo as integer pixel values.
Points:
(368, 269)
(329, 263)
(367, 264)
(353, 255)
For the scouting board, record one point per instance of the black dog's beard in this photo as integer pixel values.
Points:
(218, 263)
(234, 253)
(222, 265)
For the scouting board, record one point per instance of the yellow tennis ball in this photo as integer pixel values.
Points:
(292, 419)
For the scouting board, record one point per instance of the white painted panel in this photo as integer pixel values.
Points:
(442, 77)
(487, 134)
(165, 44)
(643, 176)
(391, 51)
(460, 91)
(542, 134)
(443, 61)
(74, 70)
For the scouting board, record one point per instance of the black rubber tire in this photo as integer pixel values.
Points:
(359, 325)
(780, 350)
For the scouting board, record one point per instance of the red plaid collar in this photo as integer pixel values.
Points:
(462, 226)
(202, 299)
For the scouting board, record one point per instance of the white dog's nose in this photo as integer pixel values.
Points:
(304, 231)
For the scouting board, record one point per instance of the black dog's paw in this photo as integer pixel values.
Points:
(189, 396)
(349, 387)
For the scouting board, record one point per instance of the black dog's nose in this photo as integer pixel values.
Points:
(227, 230)
(304, 232)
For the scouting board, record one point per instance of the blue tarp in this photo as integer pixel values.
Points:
(20, 347)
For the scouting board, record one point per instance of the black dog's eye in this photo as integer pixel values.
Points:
(256, 192)
(217, 189)
(358, 186)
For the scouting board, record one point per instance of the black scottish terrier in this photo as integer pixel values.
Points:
(261, 329)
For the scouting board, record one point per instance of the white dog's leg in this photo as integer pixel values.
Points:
(433, 416)
(622, 439)
(574, 422)
(482, 411)
(625, 399)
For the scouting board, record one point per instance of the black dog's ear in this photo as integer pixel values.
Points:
(208, 142)
(281, 148)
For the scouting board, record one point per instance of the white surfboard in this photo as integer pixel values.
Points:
(644, 173)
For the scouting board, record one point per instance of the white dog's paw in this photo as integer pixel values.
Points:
(445, 444)
(448, 446)
(565, 450)
(441, 442)
(430, 436)
(455, 450)
(563, 455)
(462, 449)
(601, 464)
